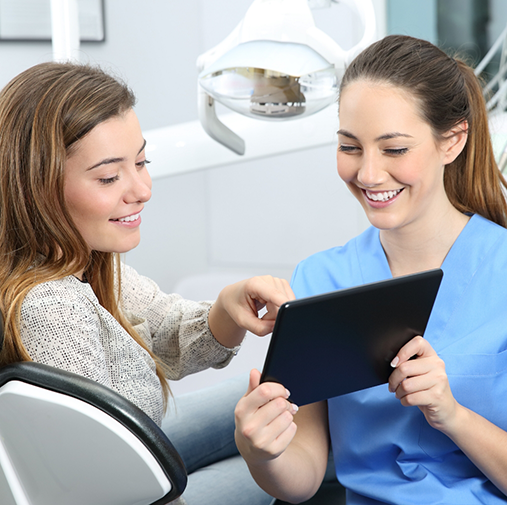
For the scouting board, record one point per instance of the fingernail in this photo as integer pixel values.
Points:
(395, 361)
(287, 392)
(295, 408)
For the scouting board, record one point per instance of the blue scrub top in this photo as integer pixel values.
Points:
(387, 453)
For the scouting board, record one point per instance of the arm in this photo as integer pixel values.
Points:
(237, 306)
(286, 451)
(185, 336)
(177, 330)
(423, 382)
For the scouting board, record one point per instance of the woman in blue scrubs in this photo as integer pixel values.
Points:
(414, 149)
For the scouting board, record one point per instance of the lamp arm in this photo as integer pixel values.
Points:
(323, 44)
(65, 30)
(366, 12)
(214, 127)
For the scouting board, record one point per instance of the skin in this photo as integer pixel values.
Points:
(384, 146)
(106, 187)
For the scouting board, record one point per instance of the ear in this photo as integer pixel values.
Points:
(454, 142)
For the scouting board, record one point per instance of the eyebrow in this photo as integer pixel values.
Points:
(108, 161)
(385, 136)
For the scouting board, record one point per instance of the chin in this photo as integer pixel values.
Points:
(383, 222)
(126, 249)
(119, 249)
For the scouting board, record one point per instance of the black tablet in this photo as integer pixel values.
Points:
(339, 342)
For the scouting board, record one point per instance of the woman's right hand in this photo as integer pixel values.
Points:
(264, 421)
(287, 456)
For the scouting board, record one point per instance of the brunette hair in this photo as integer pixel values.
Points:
(448, 93)
(44, 112)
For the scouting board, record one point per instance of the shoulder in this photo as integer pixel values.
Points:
(63, 314)
(64, 303)
(332, 269)
(488, 238)
(66, 290)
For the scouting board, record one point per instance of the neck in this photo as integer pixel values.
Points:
(80, 275)
(422, 245)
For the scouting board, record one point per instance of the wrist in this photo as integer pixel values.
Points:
(223, 327)
(459, 420)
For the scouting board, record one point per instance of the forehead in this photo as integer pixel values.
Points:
(115, 133)
(368, 106)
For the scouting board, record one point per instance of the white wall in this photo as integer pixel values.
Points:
(250, 218)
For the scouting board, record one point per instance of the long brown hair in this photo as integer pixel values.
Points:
(448, 93)
(44, 112)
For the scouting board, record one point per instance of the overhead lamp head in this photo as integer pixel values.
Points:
(276, 65)
(271, 80)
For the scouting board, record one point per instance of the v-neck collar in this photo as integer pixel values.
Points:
(460, 265)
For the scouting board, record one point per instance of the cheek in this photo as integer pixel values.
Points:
(85, 208)
(74, 201)
(345, 167)
(415, 171)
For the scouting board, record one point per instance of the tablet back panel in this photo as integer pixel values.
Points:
(339, 342)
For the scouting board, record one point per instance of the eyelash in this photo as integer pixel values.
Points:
(143, 163)
(109, 181)
(396, 152)
(392, 152)
(347, 149)
(140, 165)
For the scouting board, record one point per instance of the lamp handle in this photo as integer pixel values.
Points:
(214, 127)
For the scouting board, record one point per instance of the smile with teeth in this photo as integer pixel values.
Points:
(128, 219)
(382, 196)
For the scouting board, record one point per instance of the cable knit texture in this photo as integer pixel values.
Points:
(63, 325)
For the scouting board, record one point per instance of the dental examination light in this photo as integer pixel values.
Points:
(186, 147)
(276, 65)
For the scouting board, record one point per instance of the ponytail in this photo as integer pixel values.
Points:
(473, 182)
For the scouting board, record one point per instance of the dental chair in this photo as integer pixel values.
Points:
(67, 440)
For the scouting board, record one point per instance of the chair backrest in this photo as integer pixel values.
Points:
(65, 439)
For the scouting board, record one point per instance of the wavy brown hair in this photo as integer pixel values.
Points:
(44, 112)
(448, 93)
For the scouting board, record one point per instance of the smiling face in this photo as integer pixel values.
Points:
(107, 184)
(389, 157)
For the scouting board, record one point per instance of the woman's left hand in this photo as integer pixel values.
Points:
(237, 306)
(423, 382)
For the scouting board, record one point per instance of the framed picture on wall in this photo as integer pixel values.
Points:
(30, 20)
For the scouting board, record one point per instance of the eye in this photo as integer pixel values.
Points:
(396, 152)
(142, 164)
(348, 148)
(110, 180)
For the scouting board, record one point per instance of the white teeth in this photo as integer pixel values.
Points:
(127, 219)
(382, 197)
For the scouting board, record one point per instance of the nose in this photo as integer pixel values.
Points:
(370, 172)
(139, 188)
